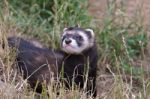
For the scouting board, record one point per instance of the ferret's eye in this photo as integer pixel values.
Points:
(78, 38)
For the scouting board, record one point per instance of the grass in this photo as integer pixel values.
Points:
(121, 43)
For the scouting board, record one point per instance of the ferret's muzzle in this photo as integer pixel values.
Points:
(68, 41)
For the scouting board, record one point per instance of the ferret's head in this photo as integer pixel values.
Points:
(75, 40)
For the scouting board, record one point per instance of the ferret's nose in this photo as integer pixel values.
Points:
(67, 41)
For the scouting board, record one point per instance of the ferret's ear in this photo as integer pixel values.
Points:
(91, 32)
(65, 29)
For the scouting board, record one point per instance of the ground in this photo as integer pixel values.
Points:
(97, 8)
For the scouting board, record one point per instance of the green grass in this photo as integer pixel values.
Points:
(46, 20)
(120, 44)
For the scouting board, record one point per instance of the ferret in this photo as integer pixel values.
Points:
(37, 63)
(77, 58)
(80, 59)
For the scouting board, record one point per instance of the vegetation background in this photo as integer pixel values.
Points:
(122, 43)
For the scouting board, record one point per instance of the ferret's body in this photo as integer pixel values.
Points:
(78, 67)
(36, 62)
(80, 62)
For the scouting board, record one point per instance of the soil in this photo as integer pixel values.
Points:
(98, 9)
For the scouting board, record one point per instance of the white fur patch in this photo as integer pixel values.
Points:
(87, 43)
(67, 32)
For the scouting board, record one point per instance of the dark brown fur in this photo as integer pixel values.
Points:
(38, 64)
(75, 67)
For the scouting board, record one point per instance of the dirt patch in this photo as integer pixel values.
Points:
(98, 9)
